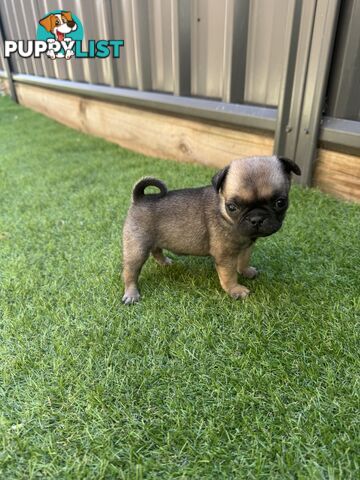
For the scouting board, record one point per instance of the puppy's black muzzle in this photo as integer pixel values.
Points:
(71, 24)
(259, 223)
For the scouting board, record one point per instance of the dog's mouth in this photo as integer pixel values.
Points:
(60, 36)
(267, 231)
(264, 230)
(264, 234)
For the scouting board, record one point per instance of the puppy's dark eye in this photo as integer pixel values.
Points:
(280, 203)
(231, 207)
(57, 22)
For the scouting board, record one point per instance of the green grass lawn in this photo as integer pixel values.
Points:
(189, 383)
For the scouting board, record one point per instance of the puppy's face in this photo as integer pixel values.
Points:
(253, 194)
(59, 24)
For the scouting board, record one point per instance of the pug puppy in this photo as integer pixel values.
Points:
(248, 199)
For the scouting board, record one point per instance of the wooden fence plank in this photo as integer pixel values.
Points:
(148, 132)
(338, 174)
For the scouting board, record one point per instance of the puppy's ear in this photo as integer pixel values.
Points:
(47, 22)
(67, 15)
(290, 165)
(219, 177)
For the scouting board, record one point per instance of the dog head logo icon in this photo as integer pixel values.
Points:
(59, 24)
(60, 27)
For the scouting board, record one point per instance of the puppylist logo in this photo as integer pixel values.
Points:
(60, 30)
(59, 35)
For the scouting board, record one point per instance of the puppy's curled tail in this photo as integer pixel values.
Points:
(139, 188)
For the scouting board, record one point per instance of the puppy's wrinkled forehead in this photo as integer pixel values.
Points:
(254, 177)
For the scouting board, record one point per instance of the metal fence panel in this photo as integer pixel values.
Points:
(122, 24)
(207, 48)
(344, 87)
(93, 69)
(266, 50)
(11, 32)
(235, 46)
(231, 50)
(181, 46)
(161, 45)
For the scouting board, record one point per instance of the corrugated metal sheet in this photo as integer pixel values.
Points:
(344, 86)
(207, 48)
(265, 51)
(150, 59)
(232, 50)
(161, 45)
(10, 26)
(123, 27)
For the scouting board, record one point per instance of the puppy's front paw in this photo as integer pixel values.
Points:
(130, 297)
(239, 292)
(249, 272)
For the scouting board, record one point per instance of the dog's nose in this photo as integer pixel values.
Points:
(71, 23)
(255, 220)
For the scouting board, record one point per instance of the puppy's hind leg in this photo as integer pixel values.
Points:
(133, 258)
(159, 256)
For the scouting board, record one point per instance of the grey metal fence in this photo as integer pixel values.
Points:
(344, 86)
(215, 35)
(288, 66)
